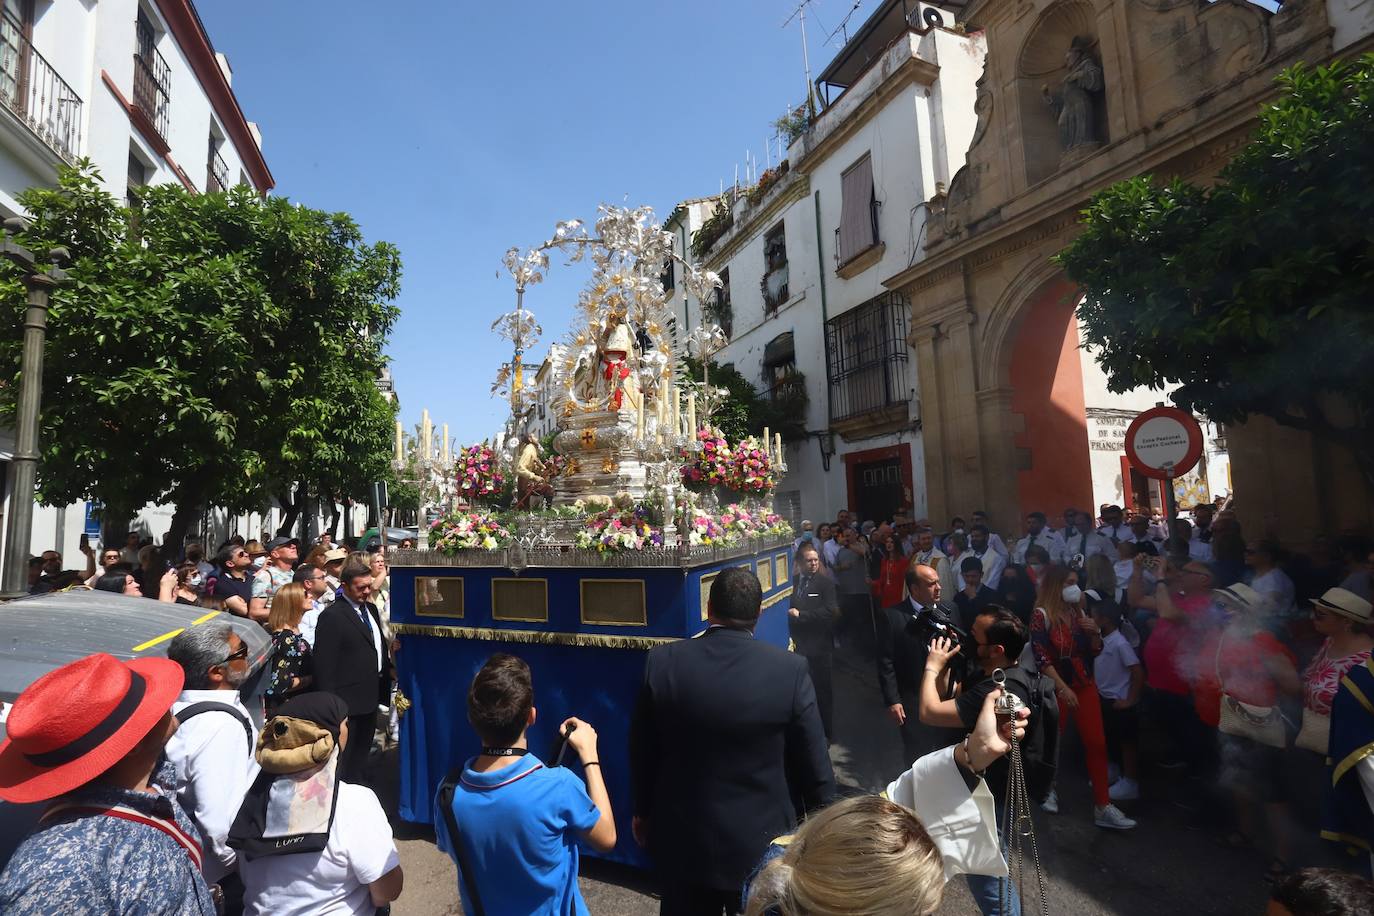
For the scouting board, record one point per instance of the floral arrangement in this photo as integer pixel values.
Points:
(478, 473)
(750, 470)
(468, 531)
(775, 526)
(615, 530)
(704, 530)
(711, 467)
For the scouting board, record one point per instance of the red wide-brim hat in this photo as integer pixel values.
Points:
(77, 721)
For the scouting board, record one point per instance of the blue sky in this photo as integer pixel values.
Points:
(456, 130)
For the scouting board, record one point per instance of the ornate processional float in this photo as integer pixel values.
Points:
(582, 560)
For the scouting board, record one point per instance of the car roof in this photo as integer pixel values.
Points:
(43, 632)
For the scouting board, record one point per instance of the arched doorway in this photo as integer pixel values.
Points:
(1045, 375)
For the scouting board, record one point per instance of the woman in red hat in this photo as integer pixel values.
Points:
(87, 737)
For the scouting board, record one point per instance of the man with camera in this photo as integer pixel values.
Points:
(998, 638)
(905, 632)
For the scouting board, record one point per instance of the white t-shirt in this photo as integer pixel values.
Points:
(1112, 667)
(332, 882)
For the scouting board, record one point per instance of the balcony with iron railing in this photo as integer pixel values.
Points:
(867, 357)
(35, 94)
(216, 172)
(152, 82)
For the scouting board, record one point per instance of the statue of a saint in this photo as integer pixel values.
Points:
(1073, 103)
(531, 474)
(617, 381)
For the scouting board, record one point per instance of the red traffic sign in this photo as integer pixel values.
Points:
(1164, 442)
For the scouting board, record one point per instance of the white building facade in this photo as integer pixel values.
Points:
(803, 260)
(137, 87)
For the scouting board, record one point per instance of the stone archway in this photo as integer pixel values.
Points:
(1031, 418)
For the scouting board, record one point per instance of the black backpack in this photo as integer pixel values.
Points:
(1040, 746)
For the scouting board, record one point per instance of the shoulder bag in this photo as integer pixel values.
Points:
(1261, 724)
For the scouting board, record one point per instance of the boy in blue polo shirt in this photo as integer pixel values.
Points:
(519, 821)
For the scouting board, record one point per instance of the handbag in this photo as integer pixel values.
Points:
(1261, 724)
(1315, 734)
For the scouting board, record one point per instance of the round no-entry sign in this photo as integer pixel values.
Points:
(1164, 442)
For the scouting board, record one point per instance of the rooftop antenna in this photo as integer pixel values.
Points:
(800, 14)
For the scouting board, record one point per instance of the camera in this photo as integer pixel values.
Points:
(1008, 704)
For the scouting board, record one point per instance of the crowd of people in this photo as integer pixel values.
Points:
(277, 820)
(1224, 662)
(1175, 650)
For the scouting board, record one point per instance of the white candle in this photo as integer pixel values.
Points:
(692, 414)
(426, 434)
(444, 447)
(400, 442)
(767, 444)
(677, 411)
(777, 446)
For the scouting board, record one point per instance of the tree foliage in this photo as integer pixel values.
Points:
(208, 349)
(1255, 294)
(745, 411)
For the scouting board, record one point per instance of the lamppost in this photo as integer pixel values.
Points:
(19, 526)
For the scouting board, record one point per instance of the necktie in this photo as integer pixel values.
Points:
(362, 612)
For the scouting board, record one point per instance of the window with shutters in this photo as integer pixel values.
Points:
(858, 231)
(774, 283)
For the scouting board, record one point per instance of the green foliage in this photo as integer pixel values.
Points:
(208, 349)
(716, 225)
(744, 411)
(793, 124)
(1253, 295)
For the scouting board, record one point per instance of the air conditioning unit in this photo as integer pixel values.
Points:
(930, 16)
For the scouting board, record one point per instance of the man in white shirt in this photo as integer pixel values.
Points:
(1082, 541)
(980, 546)
(317, 587)
(1183, 531)
(830, 546)
(1141, 537)
(1039, 535)
(1114, 527)
(994, 539)
(212, 749)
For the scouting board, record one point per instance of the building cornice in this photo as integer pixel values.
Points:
(793, 191)
(913, 70)
(190, 37)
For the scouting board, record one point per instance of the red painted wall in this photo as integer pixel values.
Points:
(1047, 392)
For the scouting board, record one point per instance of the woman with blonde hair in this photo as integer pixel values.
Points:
(1066, 640)
(875, 856)
(291, 666)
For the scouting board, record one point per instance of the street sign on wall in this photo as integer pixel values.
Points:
(1164, 442)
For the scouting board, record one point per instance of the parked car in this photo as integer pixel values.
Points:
(44, 632)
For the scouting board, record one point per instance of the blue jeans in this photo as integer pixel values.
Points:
(987, 891)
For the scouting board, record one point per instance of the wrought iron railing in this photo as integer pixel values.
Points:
(216, 172)
(774, 288)
(866, 355)
(152, 80)
(32, 90)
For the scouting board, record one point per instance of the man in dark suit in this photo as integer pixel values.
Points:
(904, 634)
(811, 616)
(726, 733)
(352, 661)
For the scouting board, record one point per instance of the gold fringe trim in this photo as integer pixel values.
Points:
(774, 599)
(487, 634)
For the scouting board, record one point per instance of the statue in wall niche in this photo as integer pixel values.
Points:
(1073, 103)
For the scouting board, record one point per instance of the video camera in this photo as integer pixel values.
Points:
(924, 627)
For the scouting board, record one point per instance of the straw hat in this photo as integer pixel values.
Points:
(1346, 603)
